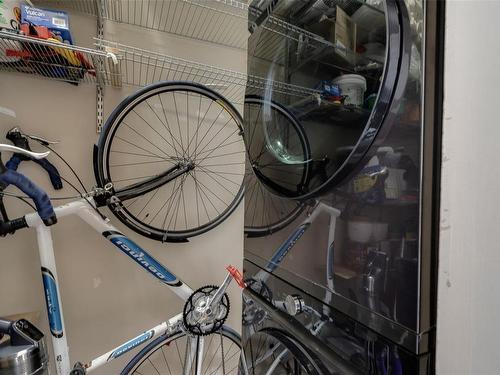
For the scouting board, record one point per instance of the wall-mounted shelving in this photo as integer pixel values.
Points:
(222, 22)
(114, 64)
(140, 67)
(55, 60)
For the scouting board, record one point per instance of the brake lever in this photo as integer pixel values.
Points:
(42, 141)
(20, 139)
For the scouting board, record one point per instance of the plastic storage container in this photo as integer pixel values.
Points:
(353, 86)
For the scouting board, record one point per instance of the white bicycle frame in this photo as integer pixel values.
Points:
(290, 242)
(88, 214)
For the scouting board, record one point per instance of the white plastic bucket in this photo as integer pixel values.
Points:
(353, 86)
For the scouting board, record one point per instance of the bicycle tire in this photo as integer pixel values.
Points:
(282, 352)
(167, 146)
(276, 115)
(147, 353)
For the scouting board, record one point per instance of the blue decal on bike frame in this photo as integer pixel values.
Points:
(52, 302)
(286, 247)
(129, 345)
(142, 258)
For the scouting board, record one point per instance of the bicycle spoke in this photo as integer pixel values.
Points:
(218, 156)
(229, 173)
(206, 133)
(151, 127)
(140, 148)
(222, 186)
(201, 197)
(135, 154)
(152, 364)
(147, 140)
(215, 135)
(209, 173)
(168, 125)
(165, 126)
(149, 200)
(165, 359)
(179, 125)
(215, 195)
(218, 148)
(230, 135)
(199, 124)
(165, 203)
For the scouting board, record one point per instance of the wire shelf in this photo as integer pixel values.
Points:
(140, 67)
(222, 22)
(55, 60)
(218, 21)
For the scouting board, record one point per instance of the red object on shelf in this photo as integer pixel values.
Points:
(41, 32)
(14, 53)
(237, 276)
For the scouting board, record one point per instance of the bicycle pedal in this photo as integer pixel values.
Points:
(237, 276)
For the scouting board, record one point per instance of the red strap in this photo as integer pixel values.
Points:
(237, 276)
(14, 53)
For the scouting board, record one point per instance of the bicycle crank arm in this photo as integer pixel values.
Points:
(153, 183)
(232, 273)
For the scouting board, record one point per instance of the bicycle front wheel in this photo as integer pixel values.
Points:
(169, 355)
(175, 155)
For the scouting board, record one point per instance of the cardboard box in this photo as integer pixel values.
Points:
(341, 31)
(345, 33)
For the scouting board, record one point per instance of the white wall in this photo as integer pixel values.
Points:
(469, 254)
(107, 299)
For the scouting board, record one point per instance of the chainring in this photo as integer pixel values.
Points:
(200, 323)
(252, 314)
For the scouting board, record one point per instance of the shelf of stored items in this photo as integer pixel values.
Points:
(222, 22)
(55, 60)
(116, 64)
(316, 108)
(140, 67)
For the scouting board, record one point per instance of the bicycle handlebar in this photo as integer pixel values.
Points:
(23, 183)
(19, 139)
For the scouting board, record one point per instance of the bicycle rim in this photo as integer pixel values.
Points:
(169, 126)
(168, 355)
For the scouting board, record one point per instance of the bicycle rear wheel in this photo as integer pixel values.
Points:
(175, 156)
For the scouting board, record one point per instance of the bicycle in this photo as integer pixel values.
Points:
(194, 330)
